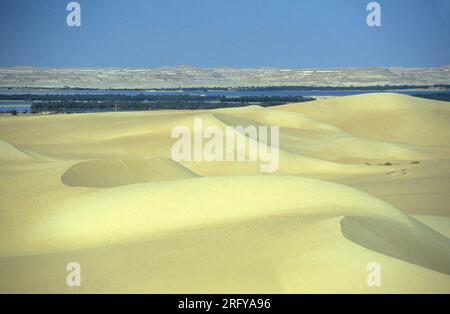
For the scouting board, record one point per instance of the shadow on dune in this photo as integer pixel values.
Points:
(107, 173)
(419, 245)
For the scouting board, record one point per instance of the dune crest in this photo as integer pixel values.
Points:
(9, 152)
(420, 245)
(116, 172)
(134, 212)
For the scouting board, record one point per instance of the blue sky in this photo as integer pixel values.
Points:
(213, 33)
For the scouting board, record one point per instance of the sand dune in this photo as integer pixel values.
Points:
(384, 117)
(361, 179)
(82, 222)
(11, 153)
(117, 172)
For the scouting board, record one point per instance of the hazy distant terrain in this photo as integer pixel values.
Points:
(186, 76)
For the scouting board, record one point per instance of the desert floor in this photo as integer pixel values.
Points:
(361, 179)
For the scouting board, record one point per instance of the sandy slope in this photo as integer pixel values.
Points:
(361, 179)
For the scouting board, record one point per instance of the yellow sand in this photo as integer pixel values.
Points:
(362, 179)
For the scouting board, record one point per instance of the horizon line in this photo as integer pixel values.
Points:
(223, 67)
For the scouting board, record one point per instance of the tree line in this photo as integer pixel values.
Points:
(111, 102)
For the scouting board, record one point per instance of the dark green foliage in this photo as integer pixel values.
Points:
(110, 102)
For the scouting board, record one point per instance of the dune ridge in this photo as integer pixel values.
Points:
(116, 172)
(150, 209)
